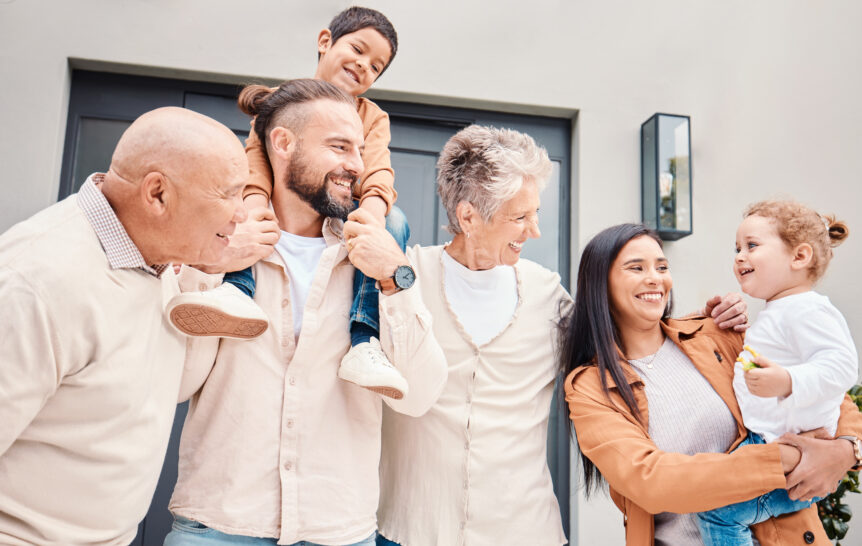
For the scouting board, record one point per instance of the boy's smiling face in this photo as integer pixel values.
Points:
(354, 61)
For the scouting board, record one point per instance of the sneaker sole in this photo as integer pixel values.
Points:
(391, 392)
(198, 320)
(385, 390)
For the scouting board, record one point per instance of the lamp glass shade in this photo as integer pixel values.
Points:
(666, 175)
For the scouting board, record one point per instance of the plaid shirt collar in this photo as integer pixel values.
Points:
(119, 247)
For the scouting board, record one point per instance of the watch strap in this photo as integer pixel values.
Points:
(857, 449)
(387, 284)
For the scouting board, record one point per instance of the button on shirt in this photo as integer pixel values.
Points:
(275, 445)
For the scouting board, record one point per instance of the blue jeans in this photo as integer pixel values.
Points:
(728, 525)
(383, 541)
(244, 280)
(186, 532)
(364, 313)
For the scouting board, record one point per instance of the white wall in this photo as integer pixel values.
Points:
(772, 87)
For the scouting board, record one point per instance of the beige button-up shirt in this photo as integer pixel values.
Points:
(472, 470)
(275, 445)
(89, 375)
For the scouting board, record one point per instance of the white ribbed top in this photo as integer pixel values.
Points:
(686, 415)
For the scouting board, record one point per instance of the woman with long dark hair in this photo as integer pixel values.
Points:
(652, 405)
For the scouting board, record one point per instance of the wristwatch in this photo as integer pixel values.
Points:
(857, 449)
(403, 279)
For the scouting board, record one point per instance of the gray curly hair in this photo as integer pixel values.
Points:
(486, 167)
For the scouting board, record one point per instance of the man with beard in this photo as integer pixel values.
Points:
(275, 448)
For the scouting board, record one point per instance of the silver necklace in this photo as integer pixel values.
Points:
(643, 361)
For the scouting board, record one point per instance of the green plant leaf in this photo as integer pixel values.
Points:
(833, 513)
(829, 527)
(841, 529)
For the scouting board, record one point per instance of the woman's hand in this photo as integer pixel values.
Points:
(728, 311)
(790, 457)
(823, 464)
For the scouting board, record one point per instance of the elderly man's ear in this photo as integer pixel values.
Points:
(156, 193)
(282, 142)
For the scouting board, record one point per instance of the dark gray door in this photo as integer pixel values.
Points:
(103, 105)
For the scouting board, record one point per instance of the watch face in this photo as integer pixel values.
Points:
(404, 277)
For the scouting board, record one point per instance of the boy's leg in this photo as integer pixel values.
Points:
(396, 224)
(365, 313)
(227, 310)
(244, 280)
(366, 364)
(729, 525)
(777, 502)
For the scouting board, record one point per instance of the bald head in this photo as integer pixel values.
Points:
(176, 182)
(174, 141)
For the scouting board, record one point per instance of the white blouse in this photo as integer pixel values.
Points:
(483, 301)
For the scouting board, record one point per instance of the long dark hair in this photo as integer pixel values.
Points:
(589, 335)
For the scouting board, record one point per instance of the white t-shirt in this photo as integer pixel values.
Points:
(809, 337)
(300, 255)
(483, 301)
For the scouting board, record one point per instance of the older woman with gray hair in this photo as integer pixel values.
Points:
(473, 469)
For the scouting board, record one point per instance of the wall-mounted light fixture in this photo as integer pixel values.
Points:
(666, 175)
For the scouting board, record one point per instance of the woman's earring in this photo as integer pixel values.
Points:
(468, 234)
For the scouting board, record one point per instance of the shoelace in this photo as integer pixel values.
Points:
(378, 358)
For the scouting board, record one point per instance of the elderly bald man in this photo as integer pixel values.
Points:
(89, 368)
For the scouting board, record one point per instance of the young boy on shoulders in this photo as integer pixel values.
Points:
(353, 52)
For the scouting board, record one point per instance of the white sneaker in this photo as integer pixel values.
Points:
(223, 311)
(367, 366)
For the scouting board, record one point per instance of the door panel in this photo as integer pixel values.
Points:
(416, 200)
(101, 136)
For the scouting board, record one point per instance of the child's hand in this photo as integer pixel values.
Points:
(768, 379)
(250, 242)
(748, 364)
(255, 238)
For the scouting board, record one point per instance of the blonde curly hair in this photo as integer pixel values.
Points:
(797, 224)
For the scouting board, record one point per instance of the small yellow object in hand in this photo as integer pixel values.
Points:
(748, 364)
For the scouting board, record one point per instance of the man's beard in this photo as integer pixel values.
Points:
(317, 196)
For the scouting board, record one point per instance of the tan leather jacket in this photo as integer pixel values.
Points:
(645, 480)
